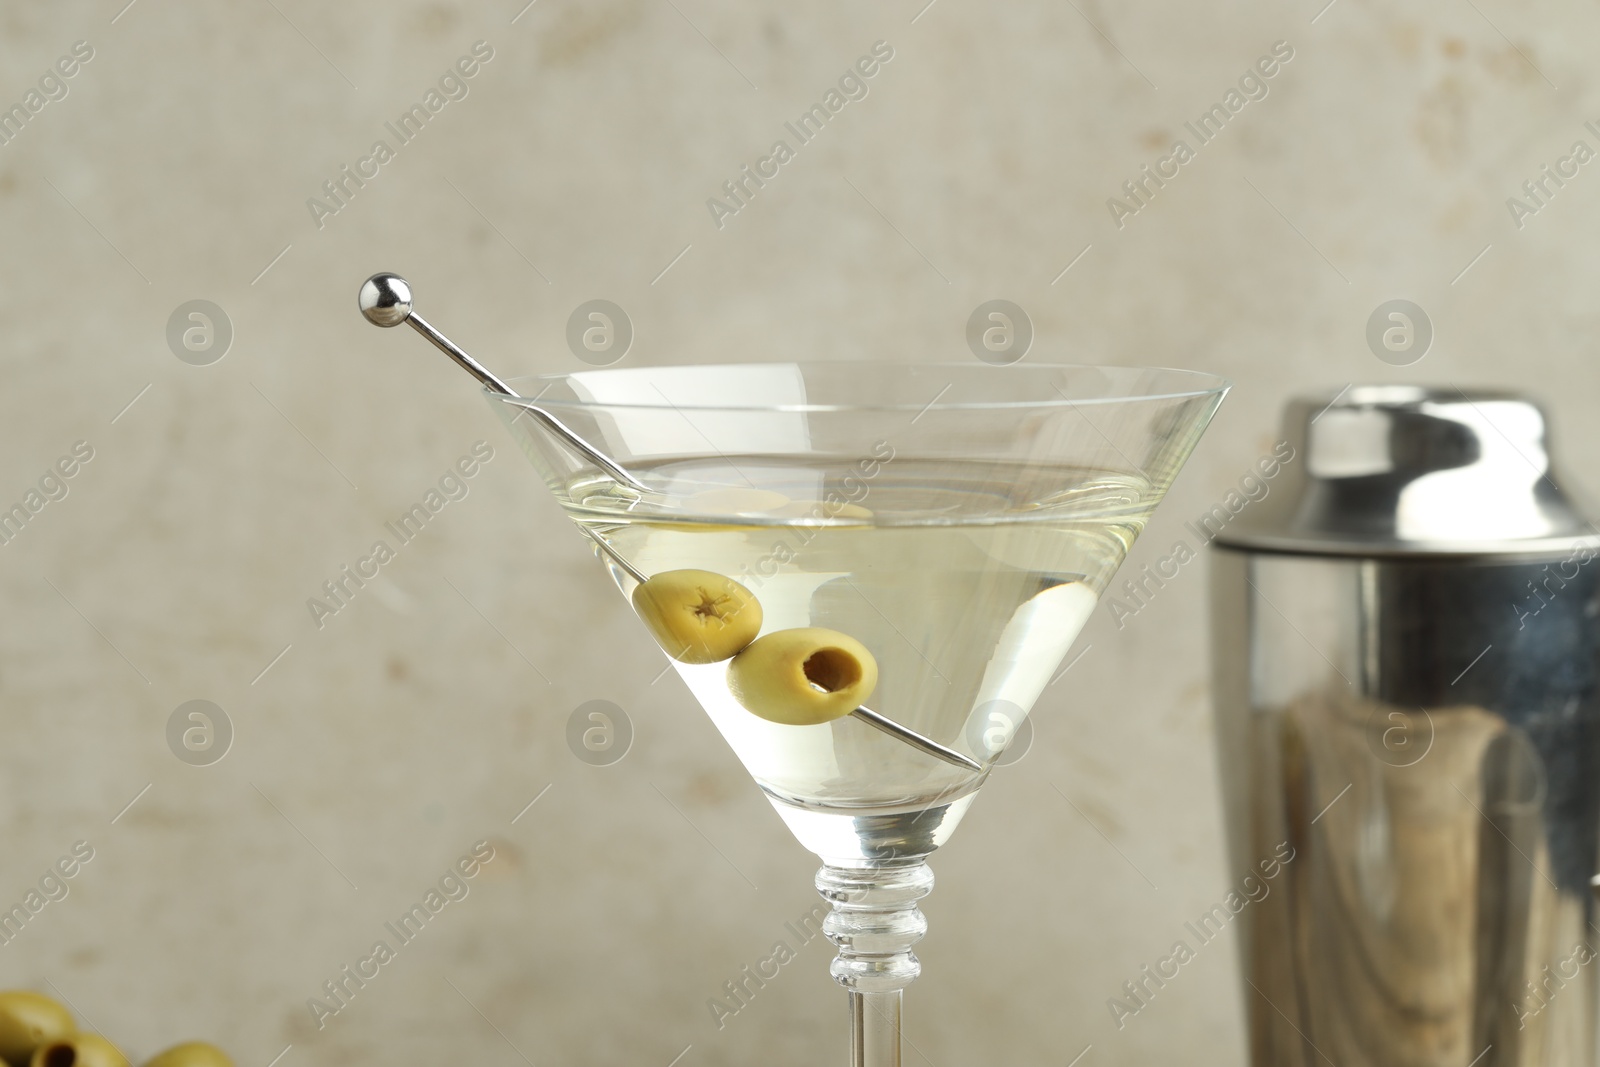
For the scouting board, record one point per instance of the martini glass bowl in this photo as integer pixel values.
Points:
(956, 523)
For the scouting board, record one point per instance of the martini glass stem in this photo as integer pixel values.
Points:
(875, 1029)
(874, 922)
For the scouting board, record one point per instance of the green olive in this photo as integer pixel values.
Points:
(191, 1054)
(803, 677)
(28, 1020)
(697, 616)
(79, 1050)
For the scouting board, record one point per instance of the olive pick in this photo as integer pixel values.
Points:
(385, 300)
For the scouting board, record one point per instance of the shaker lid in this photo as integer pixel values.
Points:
(1385, 470)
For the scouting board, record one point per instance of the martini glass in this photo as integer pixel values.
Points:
(947, 528)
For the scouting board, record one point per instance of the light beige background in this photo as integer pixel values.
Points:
(425, 717)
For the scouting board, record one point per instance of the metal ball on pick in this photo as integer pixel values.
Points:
(385, 299)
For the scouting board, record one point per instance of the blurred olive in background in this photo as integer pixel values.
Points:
(28, 1020)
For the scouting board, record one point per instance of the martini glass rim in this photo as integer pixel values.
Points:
(1200, 384)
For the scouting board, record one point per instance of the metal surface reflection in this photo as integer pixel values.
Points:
(1406, 690)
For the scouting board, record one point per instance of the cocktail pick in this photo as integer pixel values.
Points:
(386, 301)
(916, 740)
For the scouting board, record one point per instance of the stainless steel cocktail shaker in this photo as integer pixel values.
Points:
(1407, 699)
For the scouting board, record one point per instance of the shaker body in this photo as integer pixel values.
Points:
(1424, 733)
